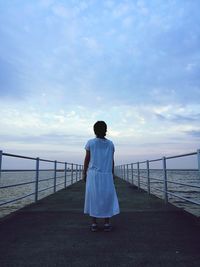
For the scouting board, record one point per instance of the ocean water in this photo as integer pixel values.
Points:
(10, 178)
(190, 177)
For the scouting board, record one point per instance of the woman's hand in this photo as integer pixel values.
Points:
(84, 177)
(86, 163)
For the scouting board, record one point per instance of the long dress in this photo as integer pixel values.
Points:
(100, 195)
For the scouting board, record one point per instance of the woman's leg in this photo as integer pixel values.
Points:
(94, 220)
(107, 225)
(107, 220)
(94, 227)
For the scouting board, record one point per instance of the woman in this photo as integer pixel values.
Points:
(100, 195)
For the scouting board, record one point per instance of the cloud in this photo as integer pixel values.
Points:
(179, 118)
(92, 44)
(132, 128)
(9, 81)
(63, 11)
(194, 133)
(46, 3)
(190, 66)
(66, 64)
(50, 138)
(127, 22)
(122, 9)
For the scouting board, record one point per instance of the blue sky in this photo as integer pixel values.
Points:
(66, 64)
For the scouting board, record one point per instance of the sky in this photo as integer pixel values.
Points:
(66, 64)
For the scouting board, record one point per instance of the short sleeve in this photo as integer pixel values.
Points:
(87, 146)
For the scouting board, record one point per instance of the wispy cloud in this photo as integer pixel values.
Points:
(66, 64)
(194, 133)
(179, 118)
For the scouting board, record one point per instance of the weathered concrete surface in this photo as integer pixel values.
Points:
(54, 232)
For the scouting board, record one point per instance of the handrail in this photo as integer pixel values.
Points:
(32, 158)
(137, 176)
(169, 157)
(72, 170)
(183, 155)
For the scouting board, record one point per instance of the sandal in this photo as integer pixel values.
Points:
(94, 228)
(107, 227)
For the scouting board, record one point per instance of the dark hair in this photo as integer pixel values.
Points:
(100, 129)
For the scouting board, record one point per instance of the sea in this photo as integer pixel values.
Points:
(191, 191)
(15, 177)
(189, 177)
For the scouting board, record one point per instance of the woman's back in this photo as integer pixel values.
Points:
(101, 154)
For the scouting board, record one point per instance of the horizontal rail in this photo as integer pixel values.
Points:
(184, 198)
(46, 179)
(60, 183)
(18, 156)
(152, 180)
(154, 160)
(160, 159)
(183, 155)
(14, 185)
(190, 185)
(33, 170)
(16, 199)
(143, 183)
(44, 189)
(60, 176)
(32, 158)
(158, 189)
(69, 173)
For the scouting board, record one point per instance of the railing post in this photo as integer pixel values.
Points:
(148, 177)
(124, 176)
(76, 172)
(165, 180)
(55, 169)
(81, 170)
(80, 173)
(65, 174)
(132, 172)
(138, 174)
(37, 178)
(127, 175)
(1, 155)
(72, 173)
(198, 159)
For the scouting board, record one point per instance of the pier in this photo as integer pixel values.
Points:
(55, 232)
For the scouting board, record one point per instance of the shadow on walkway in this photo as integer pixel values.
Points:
(54, 232)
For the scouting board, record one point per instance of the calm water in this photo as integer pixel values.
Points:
(9, 178)
(191, 177)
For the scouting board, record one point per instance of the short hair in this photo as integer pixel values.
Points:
(100, 129)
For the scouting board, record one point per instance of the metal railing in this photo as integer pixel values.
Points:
(71, 173)
(138, 173)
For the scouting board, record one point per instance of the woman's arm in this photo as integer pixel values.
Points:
(86, 163)
(113, 165)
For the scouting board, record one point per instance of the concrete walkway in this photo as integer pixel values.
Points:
(54, 232)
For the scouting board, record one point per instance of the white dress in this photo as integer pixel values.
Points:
(100, 195)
